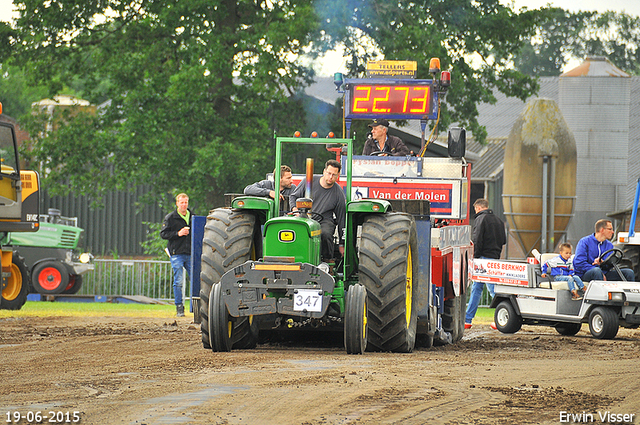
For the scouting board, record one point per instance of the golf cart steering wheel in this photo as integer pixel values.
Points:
(613, 259)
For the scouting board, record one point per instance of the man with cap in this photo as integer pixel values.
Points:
(383, 144)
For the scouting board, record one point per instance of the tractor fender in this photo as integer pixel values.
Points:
(68, 267)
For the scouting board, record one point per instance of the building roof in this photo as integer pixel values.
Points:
(596, 66)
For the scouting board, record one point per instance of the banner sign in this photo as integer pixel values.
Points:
(496, 271)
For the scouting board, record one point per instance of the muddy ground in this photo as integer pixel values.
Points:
(155, 371)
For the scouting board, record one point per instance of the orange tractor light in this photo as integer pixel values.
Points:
(434, 65)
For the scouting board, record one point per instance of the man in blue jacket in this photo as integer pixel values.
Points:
(587, 259)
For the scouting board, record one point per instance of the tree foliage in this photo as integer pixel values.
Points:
(194, 89)
(563, 36)
(190, 92)
(475, 40)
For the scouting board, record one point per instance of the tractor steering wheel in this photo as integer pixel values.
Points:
(378, 153)
(612, 260)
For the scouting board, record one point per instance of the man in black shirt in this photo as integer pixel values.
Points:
(488, 238)
(329, 206)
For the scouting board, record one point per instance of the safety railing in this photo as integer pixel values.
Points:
(150, 278)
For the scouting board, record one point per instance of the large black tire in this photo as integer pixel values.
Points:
(14, 295)
(49, 277)
(568, 329)
(506, 319)
(388, 267)
(355, 320)
(603, 323)
(75, 284)
(632, 259)
(230, 239)
(220, 323)
(453, 316)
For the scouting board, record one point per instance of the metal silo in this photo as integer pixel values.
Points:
(594, 99)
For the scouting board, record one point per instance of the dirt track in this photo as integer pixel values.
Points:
(155, 371)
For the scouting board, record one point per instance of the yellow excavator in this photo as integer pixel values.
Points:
(19, 212)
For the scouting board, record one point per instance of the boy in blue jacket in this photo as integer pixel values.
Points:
(561, 269)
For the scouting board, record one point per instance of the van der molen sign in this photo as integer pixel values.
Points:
(402, 69)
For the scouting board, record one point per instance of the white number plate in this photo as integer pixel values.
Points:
(307, 299)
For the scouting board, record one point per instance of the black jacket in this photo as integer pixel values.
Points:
(394, 146)
(178, 245)
(488, 235)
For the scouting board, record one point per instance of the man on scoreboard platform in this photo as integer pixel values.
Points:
(382, 144)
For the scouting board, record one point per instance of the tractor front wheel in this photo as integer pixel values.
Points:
(355, 320)
(230, 239)
(50, 277)
(14, 294)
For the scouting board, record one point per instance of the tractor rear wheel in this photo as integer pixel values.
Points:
(14, 295)
(388, 266)
(230, 239)
(50, 277)
(355, 320)
(632, 254)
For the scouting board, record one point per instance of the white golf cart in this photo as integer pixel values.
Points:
(522, 296)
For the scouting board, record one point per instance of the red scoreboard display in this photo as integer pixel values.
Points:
(396, 99)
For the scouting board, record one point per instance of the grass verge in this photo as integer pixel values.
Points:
(49, 309)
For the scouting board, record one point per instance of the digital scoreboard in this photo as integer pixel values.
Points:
(390, 99)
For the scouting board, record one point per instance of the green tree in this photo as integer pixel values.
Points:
(190, 92)
(475, 40)
(563, 36)
(195, 89)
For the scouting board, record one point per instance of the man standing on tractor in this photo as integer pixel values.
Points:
(176, 230)
(380, 143)
(329, 206)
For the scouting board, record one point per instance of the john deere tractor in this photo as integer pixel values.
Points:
(19, 203)
(276, 274)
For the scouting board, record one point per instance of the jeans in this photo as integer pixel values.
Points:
(474, 298)
(572, 281)
(179, 261)
(596, 273)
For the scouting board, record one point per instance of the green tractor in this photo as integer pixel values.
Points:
(275, 275)
(51, 254)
